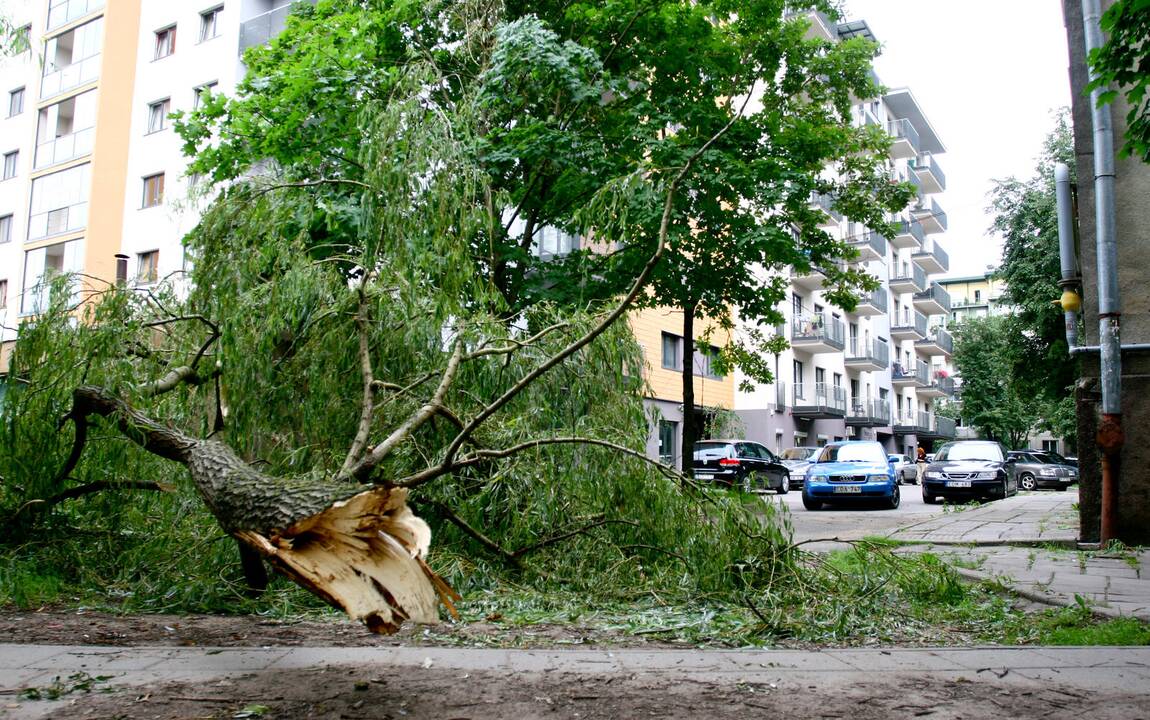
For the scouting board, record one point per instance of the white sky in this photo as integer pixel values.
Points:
(988, 75)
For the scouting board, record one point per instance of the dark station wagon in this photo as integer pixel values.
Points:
(742, 464)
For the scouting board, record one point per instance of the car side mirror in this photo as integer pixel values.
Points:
(1011, 460)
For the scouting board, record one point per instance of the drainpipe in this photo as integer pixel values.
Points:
(1110, 436)
(1070, 300)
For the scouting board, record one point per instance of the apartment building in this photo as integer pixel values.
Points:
(880, 370)
(975, 296)
(94, 179)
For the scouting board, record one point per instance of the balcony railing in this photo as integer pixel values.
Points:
(825, 203)
(860, 350)
(819, 399)
(905, 274)
(945, 427)
(940, 338)
(58, 80)
(65, 147)
(935, 295)
(903, 132)
(871, 246)
(934, 260)
(930, 216)
(58, 220)
(927, 169)
(262, 28)
(820, 327)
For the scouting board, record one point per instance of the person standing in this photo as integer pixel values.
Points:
(920, 462)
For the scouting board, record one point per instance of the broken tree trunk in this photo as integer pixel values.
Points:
(362, 550)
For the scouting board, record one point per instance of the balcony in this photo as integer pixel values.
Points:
(937, 342)
(64, 148)
(907, 278)
(262, 28)
(941, 385)
(929, 173)
(870, 246)
(873, 304)
(939, 428)
(909, 422)
(812, 279)
(819, 401)
(822, 204)
(817, 333)
(868, 413)
(867, 355)
(908, 236)
(933, 301)
(62, 13)
(821, 27)
(930, 216)
(908, 325)
(904, 142)
(933, 261)
(922, 376)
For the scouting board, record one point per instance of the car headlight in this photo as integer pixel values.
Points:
(1072, 473)
(987, 475)
(933, 474)
(1047, 471)
(877, 478)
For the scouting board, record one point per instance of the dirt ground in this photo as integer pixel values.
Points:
(338, 692)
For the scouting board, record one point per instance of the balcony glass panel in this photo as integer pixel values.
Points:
(66, 130)
(262, 28)
(72, 59)
(62, 12)
(59, 202)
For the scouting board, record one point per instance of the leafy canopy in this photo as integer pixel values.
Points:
(1124, 61)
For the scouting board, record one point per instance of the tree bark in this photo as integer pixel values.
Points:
(690, 431)
(360, 548)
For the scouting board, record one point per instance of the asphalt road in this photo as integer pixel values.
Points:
(853, 522)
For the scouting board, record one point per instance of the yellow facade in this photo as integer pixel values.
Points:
(666, 384)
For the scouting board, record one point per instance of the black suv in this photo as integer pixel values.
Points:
(968, 469)
(741, 463)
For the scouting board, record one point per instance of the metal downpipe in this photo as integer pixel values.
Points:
(1069, 280)
(1110, 435)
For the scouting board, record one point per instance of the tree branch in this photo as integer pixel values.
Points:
(571, 533)
(368, 403)
(479, 537)
(175, 377)
(90, 489)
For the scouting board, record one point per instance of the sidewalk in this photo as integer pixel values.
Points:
(1074, 672)
(1029, 542)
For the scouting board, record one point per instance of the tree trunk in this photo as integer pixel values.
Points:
(690, 431)
(360, 548)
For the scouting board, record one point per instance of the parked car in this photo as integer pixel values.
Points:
(849, 472)
(1060, 459)
(741, 463)
(1039, 469)
(904, 468)
(797, 460)
(968, 469)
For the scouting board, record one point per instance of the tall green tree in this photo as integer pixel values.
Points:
(576, 94)
(1122, 66)
(992, 401)
(1025, 215)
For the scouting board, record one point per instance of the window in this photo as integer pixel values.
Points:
(10, 161)
(194, 181)
(21, 40)
(706, 360)
(147, 267)
(59, 202)
(1050, 445)
(41, 265)
(5, 228)
(15, 102)
(977, 296)
(210, 23)
(3, 294)
(158, 115)
(668, 431)
(201, 94)
(153, 190)
(73, 58)
(798, 370)
(672, 352)
(165, 42)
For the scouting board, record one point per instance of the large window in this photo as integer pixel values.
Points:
(5, 228)
(72, 59)
(706, 362)
(147, 267)
(15, 102)
(62, 12)
(66, 130)
(60, 202)
(158, 115)
(11, 161)
(153, 190)
(201, 93)
(668, 433)
(3, 294)
(210, 23)
(165, 42)
(41, 265)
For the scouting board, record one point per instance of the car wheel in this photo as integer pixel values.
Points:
(1027, 482)
(810, 503)
(894, 499)
(785, 485)
(749, 483)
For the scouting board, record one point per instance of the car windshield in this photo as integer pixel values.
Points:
(798, 453)
(1045, 458)
(970, 451)
(862, 452)
(1055, 457)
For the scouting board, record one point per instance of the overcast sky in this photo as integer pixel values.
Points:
(988, 76)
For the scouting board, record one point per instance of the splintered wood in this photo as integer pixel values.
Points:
(364, 555)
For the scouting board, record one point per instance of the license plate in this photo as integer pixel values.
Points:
(704, 476)
(958, 483)
(847, 489)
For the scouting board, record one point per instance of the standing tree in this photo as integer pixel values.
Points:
(1025, 214)
(578, 94)
(986, 353)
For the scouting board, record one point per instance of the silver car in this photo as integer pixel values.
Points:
(904, 468)
(1037, 469)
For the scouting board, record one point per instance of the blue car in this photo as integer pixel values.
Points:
(853, 471)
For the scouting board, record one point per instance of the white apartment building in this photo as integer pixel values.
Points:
(878, 371)
(93, 178)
